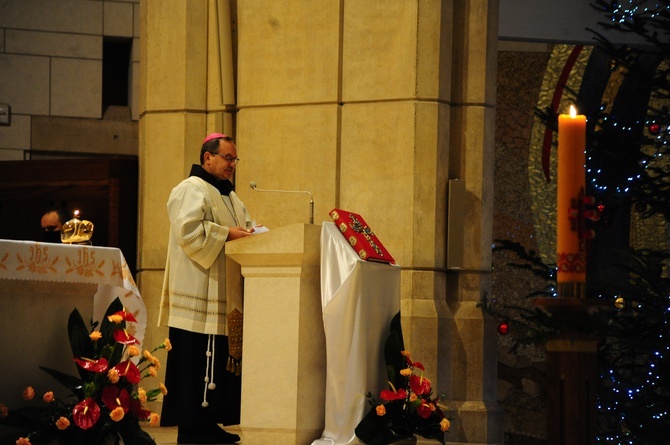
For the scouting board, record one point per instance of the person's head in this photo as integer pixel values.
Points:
(218, 156)
(52, 222)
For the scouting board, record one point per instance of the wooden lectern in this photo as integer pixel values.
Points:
(284, 351)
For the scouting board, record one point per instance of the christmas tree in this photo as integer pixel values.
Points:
(628, 174)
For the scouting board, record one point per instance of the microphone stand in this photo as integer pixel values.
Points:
(252, 184)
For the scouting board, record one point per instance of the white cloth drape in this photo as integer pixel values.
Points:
(359, 299)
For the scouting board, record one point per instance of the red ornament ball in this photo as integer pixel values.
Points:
(503, 328)
(654, 129)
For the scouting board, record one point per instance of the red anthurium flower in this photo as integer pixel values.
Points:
(125, 315)
(419, 365)
(424, 410)
(122, 336)
(88, 364)
(419, 385)
(128, 370)
(136, 409)
(113, 398)
(86, 413)
(389, 395)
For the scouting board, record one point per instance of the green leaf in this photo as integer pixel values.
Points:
(80, 342)
(71, 382)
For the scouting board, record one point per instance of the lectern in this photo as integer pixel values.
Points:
(284, 356)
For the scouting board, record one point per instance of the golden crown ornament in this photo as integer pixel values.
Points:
(77, 231)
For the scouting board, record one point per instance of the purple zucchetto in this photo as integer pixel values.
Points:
(214, 136)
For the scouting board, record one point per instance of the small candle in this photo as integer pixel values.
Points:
(571, 247)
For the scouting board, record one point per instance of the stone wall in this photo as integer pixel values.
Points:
(51, 66)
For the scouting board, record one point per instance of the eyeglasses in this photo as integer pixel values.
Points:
(229, 159)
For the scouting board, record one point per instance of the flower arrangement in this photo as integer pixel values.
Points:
(407, 407)
(106, 400)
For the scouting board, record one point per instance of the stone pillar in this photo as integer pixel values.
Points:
(471, 335)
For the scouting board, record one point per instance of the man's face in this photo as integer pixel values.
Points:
(51, 223)
(222, 165)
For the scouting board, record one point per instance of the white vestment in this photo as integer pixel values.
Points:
(194, 286)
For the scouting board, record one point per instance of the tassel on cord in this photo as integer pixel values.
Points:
(234, 365)
(209, 371)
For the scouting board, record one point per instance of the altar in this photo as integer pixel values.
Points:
(40, 285)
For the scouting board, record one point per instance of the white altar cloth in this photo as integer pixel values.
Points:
(40, 284)
(359, 299)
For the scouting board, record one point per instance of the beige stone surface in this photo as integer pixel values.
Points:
(75, 16)
(53, 44)
(434, 50)
(474, 163)
(221, 68)
(118, 19)
(177, 50)
(424, 317)
(76, 87)
(17, 135)
(66, 134)
(11, 155)
(162, 168)
(288, 148)
(474, 52)
(135, 78)
(379, 45)
(399, 196)
(136, 19)
(288, 55)
(25, 83)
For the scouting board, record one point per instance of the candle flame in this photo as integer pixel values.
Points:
(76, 213)
(573, 111)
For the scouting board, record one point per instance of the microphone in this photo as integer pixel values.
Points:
(252, 184)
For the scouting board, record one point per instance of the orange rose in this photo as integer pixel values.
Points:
(28, 393)
(154, 419)
(117, 414)
(381, 410)
(115, 318)
(167, 345)
(142, 395)
(48, 397)
(62, 423)
(113, 375)
(445, 424)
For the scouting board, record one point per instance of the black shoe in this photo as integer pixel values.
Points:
(210, 434)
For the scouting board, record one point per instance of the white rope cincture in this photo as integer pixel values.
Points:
(212, 385)
(209, 371)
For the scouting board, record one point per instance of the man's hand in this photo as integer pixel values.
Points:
(238, 232)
